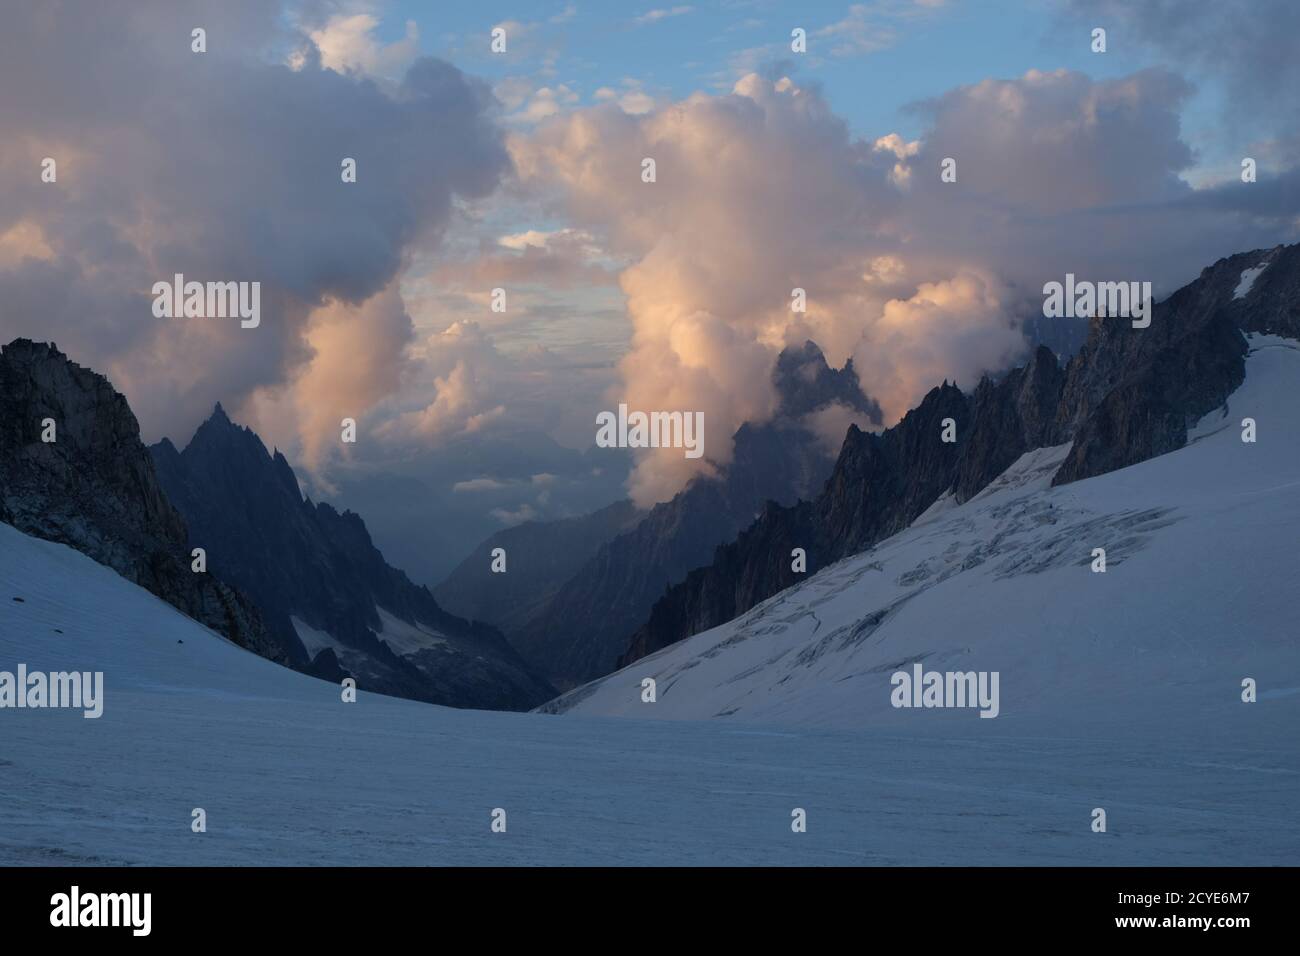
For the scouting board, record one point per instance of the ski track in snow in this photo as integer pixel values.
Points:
(1117, 691)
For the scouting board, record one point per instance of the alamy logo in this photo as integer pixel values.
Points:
(946, 689)
(75, 689)
(208, 300)
(1086, 300)
(651, 430)
(103, 909)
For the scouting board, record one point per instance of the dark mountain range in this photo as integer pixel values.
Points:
(94, 488)
(572, 628)
(323, 587)
(1128, 395)
(551, 551)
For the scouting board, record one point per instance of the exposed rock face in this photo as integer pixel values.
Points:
(95, 488)
(1132, 393)
(1008, 419)
(308, 562)
(1272, 303)
(581, 630)
(1129, 394)
(1148, 411)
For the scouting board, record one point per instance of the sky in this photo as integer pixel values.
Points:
(521, 170)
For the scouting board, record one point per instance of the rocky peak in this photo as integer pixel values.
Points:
(96, 468)
(1132, 393)
(95, 488)
(305, 561)
(805, 382)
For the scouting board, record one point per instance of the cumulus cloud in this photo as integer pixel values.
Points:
(829, 423)
(636, 102)
(225, 166)
(450, 381)
(542, 102)
(902, 150)
(911, 347)
(458, 383)
(1059, 141)
(1058, 172)
(633, 99)
(347, 43)
(357, 355)
(709, 290)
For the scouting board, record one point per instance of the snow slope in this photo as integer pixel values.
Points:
(289, 774)
(1201, 591)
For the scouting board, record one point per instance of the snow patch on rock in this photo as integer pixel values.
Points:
(1248, 277)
